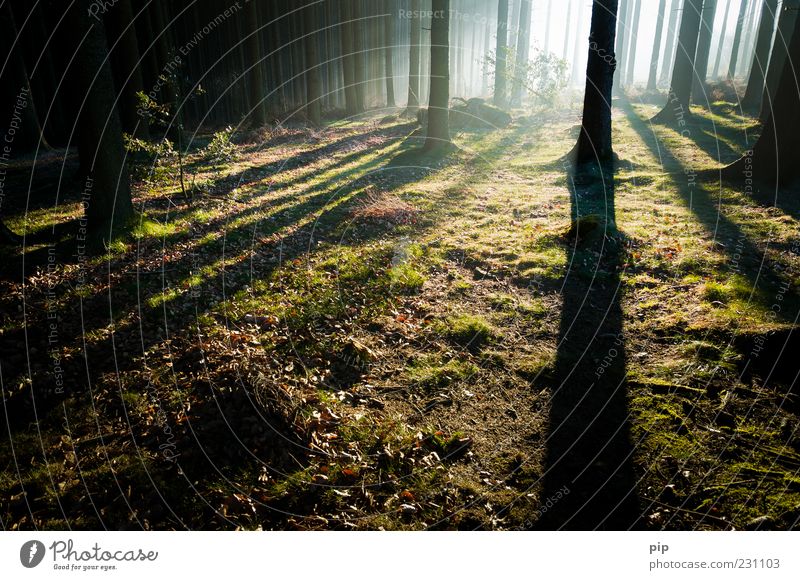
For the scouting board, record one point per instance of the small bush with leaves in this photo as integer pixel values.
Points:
(153, 162)
(221, 149)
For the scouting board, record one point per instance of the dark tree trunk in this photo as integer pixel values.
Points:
(258, 111)
(783, 38)
(703, 50)
(758, 72)
(722, 32)
(439, 102)
(413, 59)
(623, 35)
(737, 39)
(501, 52)
(631, 62)
(313, 77)
(125, 55)
(670, 46)
(680, 91)
(523, 49)
(653, 77)
(775, 159)
(388, 51)
(18, 108)
(348, 60)
(106, 191)
(594, 142)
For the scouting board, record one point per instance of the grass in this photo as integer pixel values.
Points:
(315, 335)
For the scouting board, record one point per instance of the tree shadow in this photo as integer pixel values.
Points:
(589, 482)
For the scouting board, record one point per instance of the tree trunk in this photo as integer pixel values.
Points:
(313, 77)
(737, 39)
(670, 45)
(501, 52)
(750, 26)
(783, 37)
(439, 103)
(19, 110)
(722, 32)
(621, 43)
(547, 23)
(359, 57)
(758, 71)
(258, 112)
(388, 27)
(775, 158)
(413, 51)
(594, 142)
(680, 91)
(631, 63)
(703, 50)
(523, 49)
(651, 79)
(567, 29)
(106, 191)
(576, 71)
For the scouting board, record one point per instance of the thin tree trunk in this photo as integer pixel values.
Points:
(703, 50)
(106, 192)
(680, 91)
(622, 35)
(501, 52)
(783, 38)
(671, 43)
(722, 33)
(746, 56)
(388, 52)
(576, 71)
(439, 104)
(631, 66)
(523, 48)
(594, 142)
(758, 71)
(258, 113)
(651, 79)
(313, 76)
(737, 39)
(775, 158)
(547, 24)
(567, 29)
(414, 64)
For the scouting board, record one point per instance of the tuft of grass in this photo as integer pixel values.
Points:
(467, 330)
(430, 374)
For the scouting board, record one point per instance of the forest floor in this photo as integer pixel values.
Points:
(336, 332)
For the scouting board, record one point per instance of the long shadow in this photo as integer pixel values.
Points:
(589, 482)
(765, 280)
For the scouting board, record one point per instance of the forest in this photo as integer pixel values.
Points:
(399, 265)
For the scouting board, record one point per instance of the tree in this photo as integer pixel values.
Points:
(721, 45)
(651, 79)
(677, 107)
(594, 141)
(523, 50)
(670, 44)
(439, 101)
(758, 71)
(737, 39)
(501, 64)
(621, 44)
(388, 52)
(775, 158)
(107, 195)
(783, 37)
(258, 110)
(413, 67)
(576, 72)
(703, 51)
(631, 61)
(313, 80)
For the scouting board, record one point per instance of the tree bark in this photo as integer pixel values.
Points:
(775, 158)
(439, 103)
(594, 142)
(699, 95)
(106, 192)
(670, 45)
(758, 71)
(680, 91)
(737, 39)
(652, 78)
(501, 52)
(523, 50)
(786, 27)
(722, 32)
